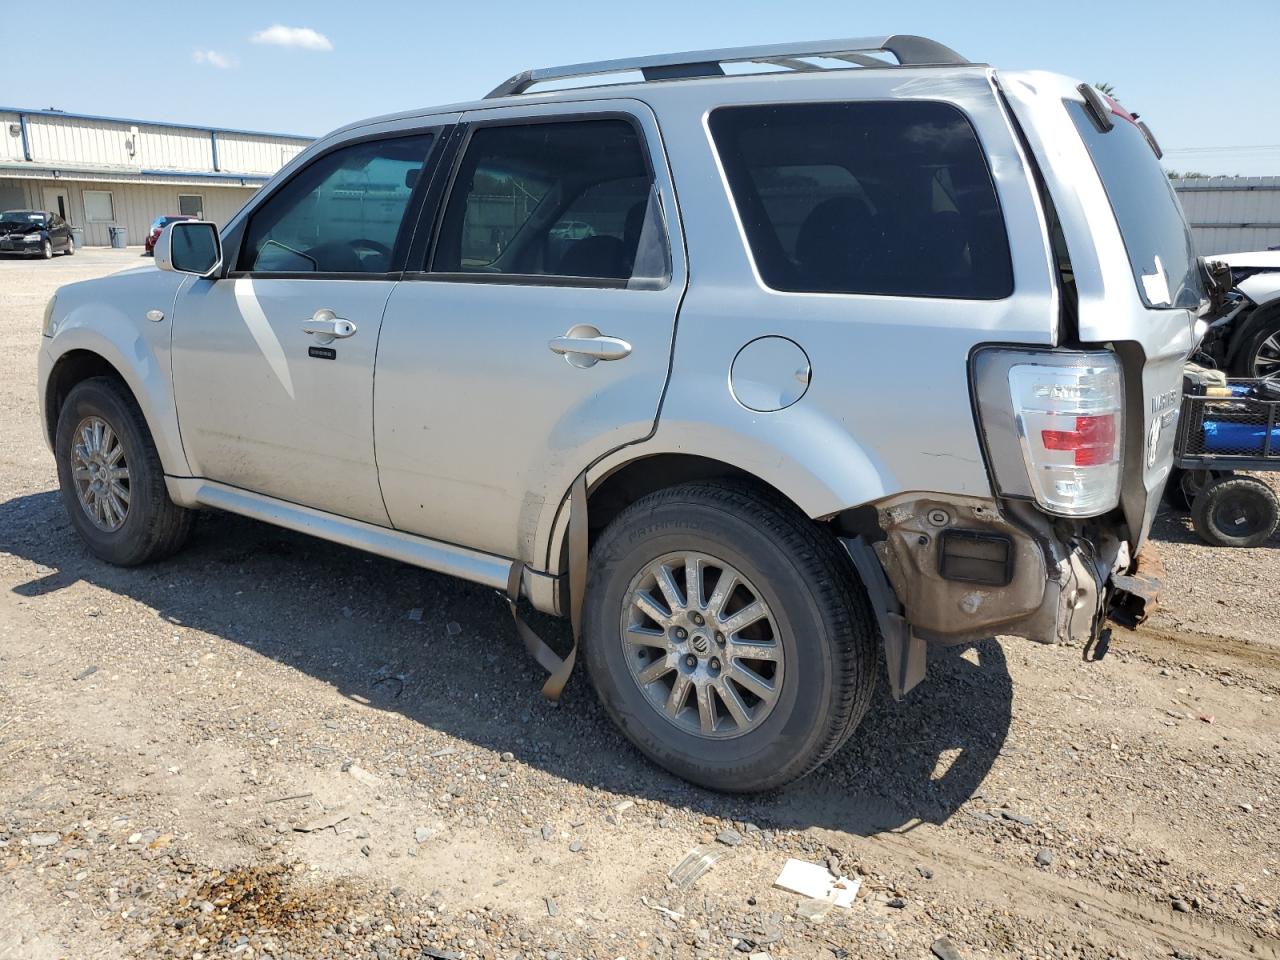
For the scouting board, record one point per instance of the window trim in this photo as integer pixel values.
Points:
(89, 218)
(464, 134)
(439, 132)
(746, 241)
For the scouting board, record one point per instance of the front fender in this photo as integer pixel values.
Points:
(108, 317)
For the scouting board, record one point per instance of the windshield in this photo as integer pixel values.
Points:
(1147, 210)
(22, 216)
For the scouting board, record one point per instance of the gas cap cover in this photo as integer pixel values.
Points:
(769, 373)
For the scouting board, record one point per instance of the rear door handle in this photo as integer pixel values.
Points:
(327, 326)
(585, 346)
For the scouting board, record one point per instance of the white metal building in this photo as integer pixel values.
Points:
(100, 172)
(1231, 214)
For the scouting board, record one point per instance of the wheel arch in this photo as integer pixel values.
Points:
(81, 361)
(619, 480)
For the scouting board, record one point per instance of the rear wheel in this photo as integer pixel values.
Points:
(71, 247)
(727, 637)
(1236, 512)
(1185, 485)
(46, 250)
(111, 479)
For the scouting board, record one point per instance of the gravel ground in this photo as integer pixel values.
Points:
(275, 747)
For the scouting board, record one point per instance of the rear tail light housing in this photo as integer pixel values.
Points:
(1053, 426)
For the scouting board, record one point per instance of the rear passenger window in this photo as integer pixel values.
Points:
(890, 198)
(568, 199)
(342, 214)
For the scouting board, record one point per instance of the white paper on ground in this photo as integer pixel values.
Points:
(811, 880)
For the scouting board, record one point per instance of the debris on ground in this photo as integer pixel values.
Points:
(816, 882)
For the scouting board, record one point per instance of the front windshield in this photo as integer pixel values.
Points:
(22, 216)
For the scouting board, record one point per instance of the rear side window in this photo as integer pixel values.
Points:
(1146, 209)
(572, 199)
(342, 214)
(891, 198)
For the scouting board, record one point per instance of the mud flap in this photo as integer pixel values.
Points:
(904, 652)
(559, 669)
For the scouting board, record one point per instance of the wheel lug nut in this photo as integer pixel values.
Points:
(697, 618)
(681, 633)
(715, 663)
(720, 639)
(691, 661)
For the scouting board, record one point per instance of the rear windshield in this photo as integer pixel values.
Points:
(1147, 211)
(887, 198)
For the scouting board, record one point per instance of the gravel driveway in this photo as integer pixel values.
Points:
(275, 747)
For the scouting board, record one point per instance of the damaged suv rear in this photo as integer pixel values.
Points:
(752, 363)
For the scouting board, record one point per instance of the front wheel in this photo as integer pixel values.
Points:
(727, 636)
(1259, 356)
(111, 479)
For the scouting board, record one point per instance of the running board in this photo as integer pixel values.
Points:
(446, 558)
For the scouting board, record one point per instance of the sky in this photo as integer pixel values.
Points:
(1202, 76)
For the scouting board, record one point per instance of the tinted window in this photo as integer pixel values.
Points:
(1147, 211)
(554, 199)
(342, 214)
(878, 198)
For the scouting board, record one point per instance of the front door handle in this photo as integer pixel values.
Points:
(327, 326)
(585, 346)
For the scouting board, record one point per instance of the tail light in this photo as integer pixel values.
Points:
(1064, 412)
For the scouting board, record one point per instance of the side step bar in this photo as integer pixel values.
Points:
(446, 558)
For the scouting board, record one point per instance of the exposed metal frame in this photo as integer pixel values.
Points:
(910, 51)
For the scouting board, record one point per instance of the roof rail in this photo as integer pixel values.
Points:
(911, 51)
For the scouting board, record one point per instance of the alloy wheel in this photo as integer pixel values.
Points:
(703, 645)
(100, 473)
(1266, 362)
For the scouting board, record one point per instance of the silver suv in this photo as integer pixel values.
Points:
(751, 362)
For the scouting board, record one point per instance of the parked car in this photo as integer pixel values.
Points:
(1246, 341)
(153, 234)
(885, 354)
(36, 233)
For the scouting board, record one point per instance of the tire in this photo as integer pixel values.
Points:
(1236, 512)
(71, 247)
(46, 250)
(152, 526)
(819, 625)
(1259, 355)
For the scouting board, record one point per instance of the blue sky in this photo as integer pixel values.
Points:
(1202, 76)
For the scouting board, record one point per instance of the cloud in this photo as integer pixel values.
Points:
(213, 58)
(302, 37)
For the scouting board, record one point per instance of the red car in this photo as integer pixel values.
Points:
(154, 235)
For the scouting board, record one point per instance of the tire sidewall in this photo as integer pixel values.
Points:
(97, 397)
(1209, 500)
(46, 251)
(778, 748)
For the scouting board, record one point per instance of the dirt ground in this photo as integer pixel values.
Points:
(275, 747)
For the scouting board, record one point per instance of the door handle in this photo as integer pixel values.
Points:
(585, 346)
(327, 326)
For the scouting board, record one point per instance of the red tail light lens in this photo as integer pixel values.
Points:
(1093, 441)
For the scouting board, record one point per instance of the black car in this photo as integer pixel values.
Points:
(35, 233)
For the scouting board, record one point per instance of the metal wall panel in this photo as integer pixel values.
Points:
(1231, 214)
(136, 205)
(10, 143)
(240, 153)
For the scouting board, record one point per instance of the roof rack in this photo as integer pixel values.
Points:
(911, 51)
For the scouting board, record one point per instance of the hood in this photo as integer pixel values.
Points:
(1264, 259)
(20, 226)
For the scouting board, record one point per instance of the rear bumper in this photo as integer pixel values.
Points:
(964, 569)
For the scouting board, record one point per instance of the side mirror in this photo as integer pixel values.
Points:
(190, 246)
